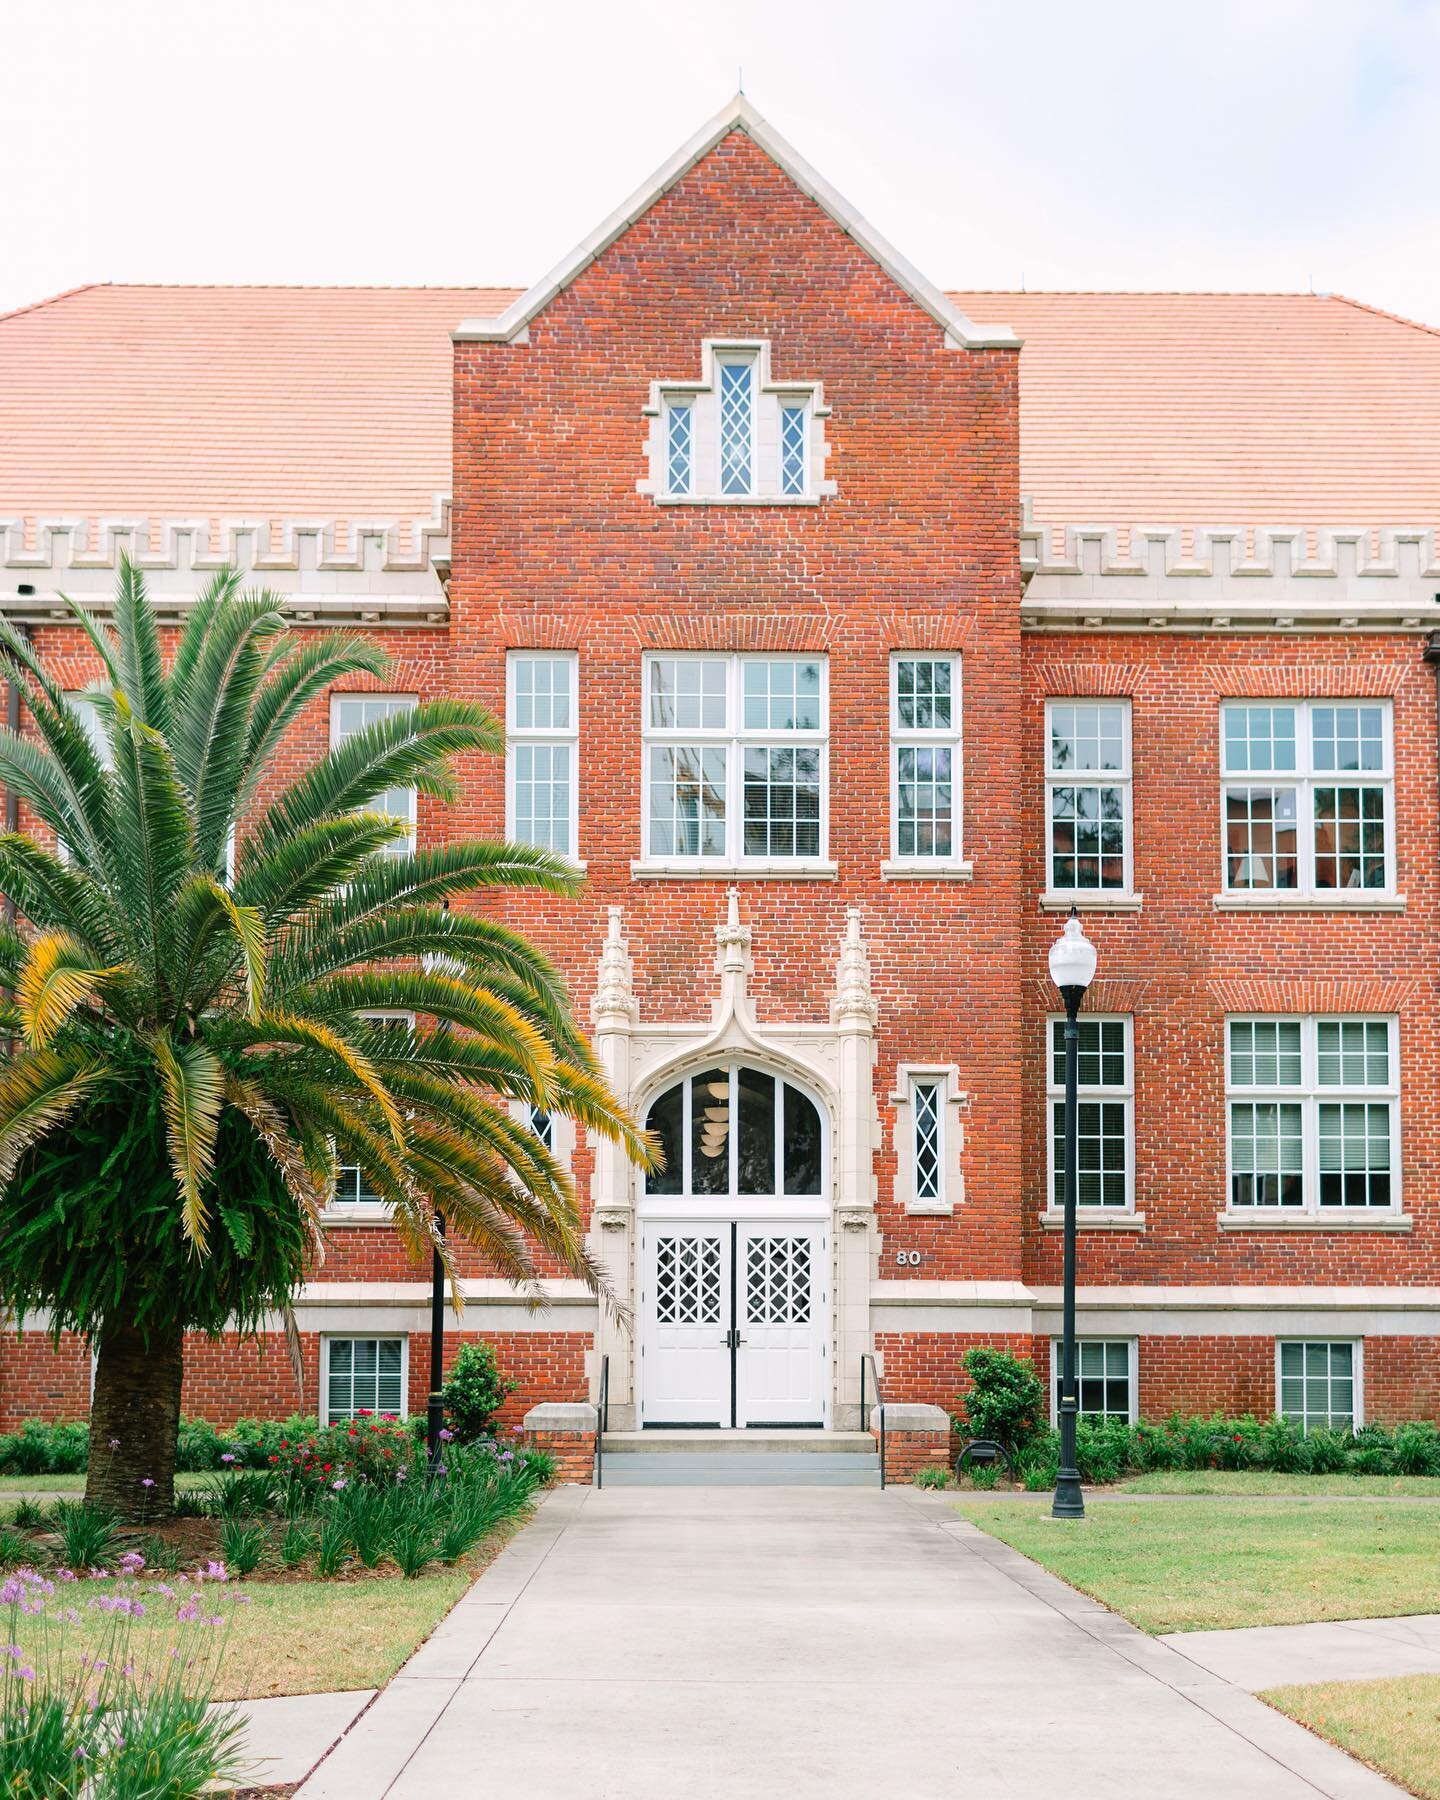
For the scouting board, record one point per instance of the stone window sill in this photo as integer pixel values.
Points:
(1092, 1219)
(737, 499)
(728, 871)
(930, 1209)
(1377, 1221)
(382, 1214)
(922, 871)
(1338, 902)
(1091, 901)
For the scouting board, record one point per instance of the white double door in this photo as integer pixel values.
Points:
(734, 1324)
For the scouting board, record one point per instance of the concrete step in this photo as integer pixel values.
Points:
(740, 1471)
(743, 1443)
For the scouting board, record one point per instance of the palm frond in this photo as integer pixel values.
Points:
(155, 844)
(102, 639)
(192, 1083)
(291, 682)
(38, 1093)
(271, 1126)
(57, 975)
(56, 896)
(290, 878)
(210, 605)
(141, 676)
(272, 1029)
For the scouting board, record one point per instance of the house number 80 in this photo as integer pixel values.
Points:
(907, 1259)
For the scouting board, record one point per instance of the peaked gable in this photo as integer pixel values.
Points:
(960, 331)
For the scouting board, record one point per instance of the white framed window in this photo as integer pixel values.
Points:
(363, 1374)
(1107, 1370)
(925, 775)
(1088, 797)
(736, 436)
(1313, 1109)
(542, 796)
(542, 1124)
(1320, 1382)
(350, 713)
(1105, 1095)
(929, 1137)
(355, 1197)
(1307, 797)
(735, 760)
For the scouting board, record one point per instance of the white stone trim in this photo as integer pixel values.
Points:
(1340, 578)
(738, 115)
(1092, 1218)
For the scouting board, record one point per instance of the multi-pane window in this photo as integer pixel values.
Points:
(364, 1374)
(794, 431)
(737, 427)
(1308, 796)
(925, 757)
(1104, 1100)
(350, 713)
(353, 1186)
(734, 758)
(927, 1109)
(1105, 1371)
(541, 738)
(1318, 1384)
(1313, 1107)
(679, 447)
(1087, 795)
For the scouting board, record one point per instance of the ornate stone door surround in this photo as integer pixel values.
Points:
(836, 1061)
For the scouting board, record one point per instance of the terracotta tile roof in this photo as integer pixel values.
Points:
(204, 401)
(335, 403)
(1190, 409)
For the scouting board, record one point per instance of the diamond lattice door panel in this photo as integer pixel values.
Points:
(782, 1367)
(685, 1325)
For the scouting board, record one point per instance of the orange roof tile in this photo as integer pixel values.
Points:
(1168, 409)
(167, 402)
(1244, 409)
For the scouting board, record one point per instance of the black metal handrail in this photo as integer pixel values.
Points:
(868, 1362)
(602, 1421)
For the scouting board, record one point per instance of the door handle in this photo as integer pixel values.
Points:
(732, 1339)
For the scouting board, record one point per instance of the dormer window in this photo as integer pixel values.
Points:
(737, 437)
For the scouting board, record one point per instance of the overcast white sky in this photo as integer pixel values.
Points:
(1058, 143)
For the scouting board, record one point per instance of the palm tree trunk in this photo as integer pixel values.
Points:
(134, 1423)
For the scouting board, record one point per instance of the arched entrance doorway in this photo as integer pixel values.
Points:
(734, 1278)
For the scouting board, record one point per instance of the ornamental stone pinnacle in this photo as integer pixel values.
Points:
(614, 1003)
(853, 997)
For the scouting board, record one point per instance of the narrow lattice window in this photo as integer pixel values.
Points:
(926, 1103)
(792, 449)
(680, 448)
(737, 427)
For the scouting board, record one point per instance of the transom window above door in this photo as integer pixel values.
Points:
(735, 768)
(737, 436)
(731, 1132)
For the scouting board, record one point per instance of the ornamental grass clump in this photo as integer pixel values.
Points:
(89, 1535)
(105, 1695)
(198, 996)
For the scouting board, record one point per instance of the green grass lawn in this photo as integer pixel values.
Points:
(1226, 1481)
(1211, 1566)
(21, 1485)
(1393, 1725)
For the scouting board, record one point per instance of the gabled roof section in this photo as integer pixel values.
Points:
(739, 115)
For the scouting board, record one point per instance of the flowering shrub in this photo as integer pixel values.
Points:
(372, 1447)
(107, 1692)
(475, 1391)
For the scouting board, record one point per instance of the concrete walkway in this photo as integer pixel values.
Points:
(1266, 1656)
(743, 1643)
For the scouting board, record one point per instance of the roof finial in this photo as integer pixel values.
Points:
(740, 79)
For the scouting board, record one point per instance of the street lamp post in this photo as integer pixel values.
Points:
(1072, 969)
(435, 1410)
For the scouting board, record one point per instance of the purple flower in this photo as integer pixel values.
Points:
(25, 1674)
(518, 1428)
(147, 1483)
(227, 1457)
(114, 1443)
(445, 1434)
(338, 1483)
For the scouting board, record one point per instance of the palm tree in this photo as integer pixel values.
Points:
(191, 1051)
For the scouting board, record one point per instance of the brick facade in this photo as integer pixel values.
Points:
(918, 549)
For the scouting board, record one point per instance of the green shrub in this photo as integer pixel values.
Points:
(298, 1542)
(31, 1516)
(1416, 1449)
(46, 1447)
(15, 1548)
(1327, 1452)
(88, 1535)
(1006, 1400)
(259, 1443)
(370, 1448)
(540, 1464)
(1284, 1449)
(931, 1477)
(475, 1392)
(1153, 1447)
(1038, 1464)
(198, 1448)
(1102, 1448)
(242, 1544)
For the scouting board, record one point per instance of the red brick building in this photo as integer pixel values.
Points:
(846, 643)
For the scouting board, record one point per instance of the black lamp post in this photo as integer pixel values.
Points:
(1072, 969)
(435, 1410)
